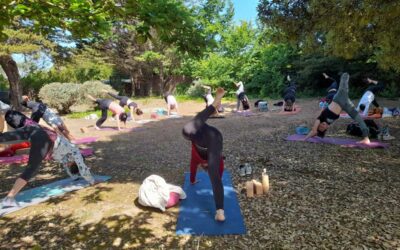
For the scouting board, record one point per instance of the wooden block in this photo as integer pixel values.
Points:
(265, 183)
(258, 187)
(249, 189)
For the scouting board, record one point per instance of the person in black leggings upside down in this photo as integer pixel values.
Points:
(340, 102)
(289, 96)
(207, 141)
(44, 143)
(125, 101)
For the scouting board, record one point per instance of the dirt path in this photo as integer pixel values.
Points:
(321, 197)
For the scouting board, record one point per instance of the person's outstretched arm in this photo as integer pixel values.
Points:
(314, 130)
(91, 97)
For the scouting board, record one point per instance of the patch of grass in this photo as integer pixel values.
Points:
(79, 115)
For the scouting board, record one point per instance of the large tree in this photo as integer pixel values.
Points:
(340, 28)
(81, 17)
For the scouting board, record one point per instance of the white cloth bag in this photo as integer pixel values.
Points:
(154, 192)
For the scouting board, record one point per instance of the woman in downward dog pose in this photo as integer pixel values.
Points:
(125, 101)
(105, 105)
(44, 142)
(207, 143)
(340, 102)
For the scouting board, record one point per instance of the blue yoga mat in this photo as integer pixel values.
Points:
(197, 211)
(40, 194)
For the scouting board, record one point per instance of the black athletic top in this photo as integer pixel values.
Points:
(327, 116)
(290, 93)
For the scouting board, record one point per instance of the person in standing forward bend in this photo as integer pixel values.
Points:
(207, 142)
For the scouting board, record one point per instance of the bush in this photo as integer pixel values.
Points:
(60, 96)
(196, 89)
(94, 88)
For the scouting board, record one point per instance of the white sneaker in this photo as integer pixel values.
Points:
(9, 202)
(242, 170)
(388, 137)
(248, 169)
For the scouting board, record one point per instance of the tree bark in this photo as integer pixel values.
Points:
(10, 67)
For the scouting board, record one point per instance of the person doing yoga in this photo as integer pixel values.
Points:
(125, 101)
(289, 96)
(369, 96)
(105, 105)
(40, 110)
(171, 102)
(207, 145)
(44, 142)
(332, 89)
(340, 102)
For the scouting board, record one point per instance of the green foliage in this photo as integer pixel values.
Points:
(342, 28)
(196, 89)
(60, 96)
(93, 88)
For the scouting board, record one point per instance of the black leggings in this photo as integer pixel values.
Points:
(210, 138)
(40, 146)
(103, 117)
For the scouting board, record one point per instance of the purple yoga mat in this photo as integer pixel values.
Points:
(85, 140)
(123, 129)
(344, 142)
(25, 158)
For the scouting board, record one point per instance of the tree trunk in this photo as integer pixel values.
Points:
(10, 67)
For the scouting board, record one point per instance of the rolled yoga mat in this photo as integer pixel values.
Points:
(369, 117)
(344, 142)
(40, 194)
(24, 158)
(197, 211)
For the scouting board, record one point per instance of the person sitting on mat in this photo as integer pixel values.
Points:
(105, 105)
(332, 89)
(40, 110)
(125, 101)
(369, 96)
(171, 103)
(44, 142)
(207, 143)
(289, 96)
(340, 102)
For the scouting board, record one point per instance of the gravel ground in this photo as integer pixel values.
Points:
(322, 196)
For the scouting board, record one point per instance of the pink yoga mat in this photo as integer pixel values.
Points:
(298, 109)
(370, 117)
(85, 140)
(25, 158)
(245, 113)
(344, 142)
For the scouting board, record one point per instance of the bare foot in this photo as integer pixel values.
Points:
(97, 128)
(218, 97)
(365, 141)
(219, 215)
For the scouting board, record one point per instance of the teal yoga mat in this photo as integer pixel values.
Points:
(197, 211)
(40, 194)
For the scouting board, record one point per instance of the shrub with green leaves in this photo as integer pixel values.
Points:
(60, 96)
(94, 88)
(196, 89)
